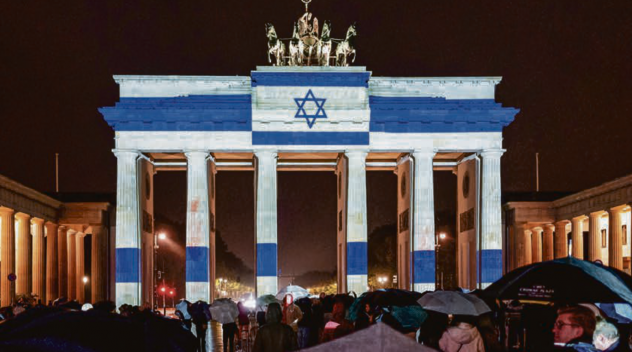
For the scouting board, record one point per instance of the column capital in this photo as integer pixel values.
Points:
(71, 232)
(597, 214)
(51, 224)
(537, 229)
(197, 154)
(22, 216)
(357, 152)
(126, 153)
(617, 209)
(549, 227)
(419, 154)
(266, 153)
(579, 218)
(491, 153)
(37, 221)
(5, 210)
(561, 223)
(62, 228)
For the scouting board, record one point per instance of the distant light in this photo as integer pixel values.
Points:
(85, 279)
(162, 236)
(163, 289)
(442, 235)
(171, 293)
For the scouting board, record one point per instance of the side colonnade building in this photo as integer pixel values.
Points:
(329, 119)
(42, 246)
(593, 224)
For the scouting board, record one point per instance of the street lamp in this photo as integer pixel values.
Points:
(172, 294)
(157, 274)
(85, 280)
(382, 280)
(440, 237)
(163, 289)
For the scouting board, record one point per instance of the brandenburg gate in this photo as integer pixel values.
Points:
(323, 118)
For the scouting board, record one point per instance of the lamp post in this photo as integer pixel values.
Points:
(157, 273)
(163, 290)
(438, 239)
(172, 293)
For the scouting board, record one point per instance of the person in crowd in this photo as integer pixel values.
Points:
(606, 338)
(318, 316)
(306, 324)
(275, 336)
(364, 318)
(229, 330)
(574, 325)
(291, 312)
(431, 329)
(243, 320)
(462, 336)
(490, 333)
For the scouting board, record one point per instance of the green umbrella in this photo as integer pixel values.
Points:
(410, 317)
(267, 299)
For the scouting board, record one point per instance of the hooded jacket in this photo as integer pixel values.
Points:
(275, 336)
(462, 338)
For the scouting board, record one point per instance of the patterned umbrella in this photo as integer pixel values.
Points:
(296, 292)
(453, 302)
(224, 310)
(183, 307)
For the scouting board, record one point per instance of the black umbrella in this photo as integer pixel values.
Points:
(565, 279)
(55, 329)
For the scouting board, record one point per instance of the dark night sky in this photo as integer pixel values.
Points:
(566, 66)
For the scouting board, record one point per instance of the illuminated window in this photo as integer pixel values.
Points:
(604, 238)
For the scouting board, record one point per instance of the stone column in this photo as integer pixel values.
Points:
(547, 243)
(536, 245)
(615, 243)
(52, 277)
(266, 226)
(7, 256)
(423, 231)
(594, 236)
(62, 263)
(357, 254)
(528, 247)
(72, 264)
(561, 239)
(99, 263)
(23, 254)
(198, 227)
(80, 267)
(38, 258)
(128, 243)
(578, 237)
(491, 255)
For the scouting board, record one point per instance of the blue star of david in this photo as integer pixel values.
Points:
(302, 114)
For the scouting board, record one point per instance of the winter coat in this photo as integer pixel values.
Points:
(292, 315)
(275, 336)
(462, 338)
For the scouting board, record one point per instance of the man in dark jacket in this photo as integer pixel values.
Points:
(275, 336)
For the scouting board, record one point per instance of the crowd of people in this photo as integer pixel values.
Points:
(293, 325)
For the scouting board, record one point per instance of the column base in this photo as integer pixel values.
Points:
(198, 291)
(127, 293)
(357, 284)
(267, 285)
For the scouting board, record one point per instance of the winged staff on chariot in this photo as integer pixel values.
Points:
(307, 48)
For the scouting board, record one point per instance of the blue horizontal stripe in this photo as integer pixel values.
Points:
(423, 114)
(491, 265)
(128, 265)
(311, 79)
(191, 113)
(310, 138)
(266, 259)
(357, 262)
(424, 267)
(197, 264)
